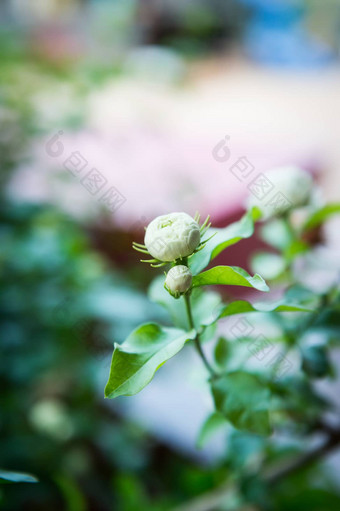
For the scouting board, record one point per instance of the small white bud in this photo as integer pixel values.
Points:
(291, 188)
(178, 280)
(51, 418)
(173, 236)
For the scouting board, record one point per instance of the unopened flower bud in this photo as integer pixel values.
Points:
(178, 280)
(291, 188)
(173, 236)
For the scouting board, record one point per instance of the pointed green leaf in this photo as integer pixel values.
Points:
(315, 361)
(318, 217)
(270, 265)
(222, 239)
(276, 233)
(242, 306)
(229, 276)
(222, 352)
(135, 362)
(8, 476)
(213, 423)
(244, 400)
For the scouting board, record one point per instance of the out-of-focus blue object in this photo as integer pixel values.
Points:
(276, 36)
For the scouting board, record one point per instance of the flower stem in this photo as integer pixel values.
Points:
(197, 337)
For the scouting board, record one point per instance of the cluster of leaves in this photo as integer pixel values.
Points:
(148, 347)
(303, 324)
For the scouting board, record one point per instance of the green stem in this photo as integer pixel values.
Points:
(197, 337)
(189, 313)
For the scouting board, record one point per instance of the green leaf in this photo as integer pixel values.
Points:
(213, 423)
(244, 400)
(302, 295)
(270, 265)
(71, 493)
(328, 321)
(315, 361)
(223, 238)
(135, 362)
(207, 333)
(222, 352)
(243, 449)
(277, 234)
(296, 248)
(319, 217)
(229, 276)
(7, 476)
(242, 306)
(304, 497)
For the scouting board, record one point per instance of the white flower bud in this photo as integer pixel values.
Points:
(178, 280)
(291, 188)
(171, 237)
(51, 417)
